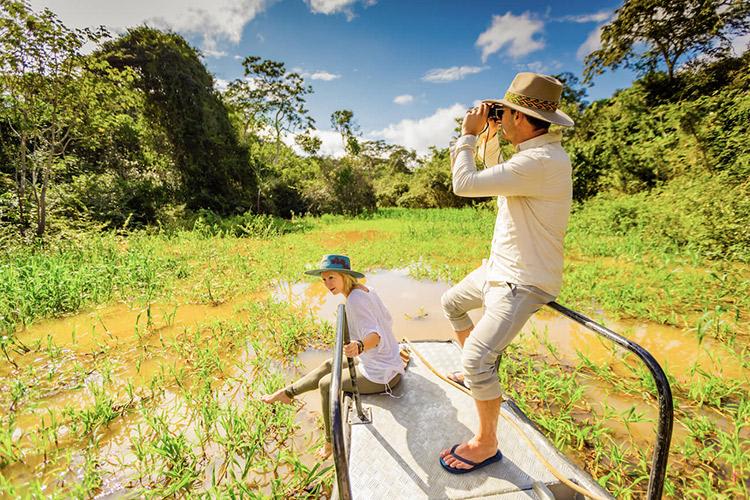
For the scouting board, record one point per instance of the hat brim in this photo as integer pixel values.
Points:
(318, 272)
(556, 117)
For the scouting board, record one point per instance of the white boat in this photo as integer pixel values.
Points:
(387, 446)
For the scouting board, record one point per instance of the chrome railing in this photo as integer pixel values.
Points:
(340, 455)
(666, 406)
(664, 393)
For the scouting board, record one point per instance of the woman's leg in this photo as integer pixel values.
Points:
(305, 384)
(309, 381)
(365, 387)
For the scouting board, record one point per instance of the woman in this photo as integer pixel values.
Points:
(373, 346)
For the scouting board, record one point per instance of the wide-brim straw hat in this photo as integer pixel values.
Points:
(536, 95)
(335, 263)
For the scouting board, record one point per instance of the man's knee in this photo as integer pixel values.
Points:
(449, 305)
(477, 359)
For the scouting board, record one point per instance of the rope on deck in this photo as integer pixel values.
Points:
(559, 475)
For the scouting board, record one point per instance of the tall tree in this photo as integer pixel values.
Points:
(343, 122)
(41, 76)
(269, 100)
(671, 31)
(270, 97)
(215, 170)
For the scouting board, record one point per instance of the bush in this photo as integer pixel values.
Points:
(208, 223)
(342, 188)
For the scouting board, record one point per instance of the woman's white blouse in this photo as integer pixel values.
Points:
(366, 313)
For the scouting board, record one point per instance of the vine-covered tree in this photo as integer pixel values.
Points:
(645, 33)
(215, 170)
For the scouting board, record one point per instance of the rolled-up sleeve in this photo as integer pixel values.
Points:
(519, 176)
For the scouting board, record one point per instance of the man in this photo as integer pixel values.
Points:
(524, 269)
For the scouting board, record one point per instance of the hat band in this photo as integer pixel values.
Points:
(530, 102)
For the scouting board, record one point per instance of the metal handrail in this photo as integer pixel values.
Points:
(340, 457)
(666, 406)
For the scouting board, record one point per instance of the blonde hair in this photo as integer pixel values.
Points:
(349, 282)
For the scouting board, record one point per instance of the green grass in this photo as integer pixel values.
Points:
(188, 397)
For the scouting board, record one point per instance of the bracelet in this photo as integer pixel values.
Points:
(361, 346)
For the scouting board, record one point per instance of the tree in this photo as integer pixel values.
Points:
(309, 143)
(215, 170)
(343, 122)
(672, 31)
(269, 96)
(269, 99)
(41, 70)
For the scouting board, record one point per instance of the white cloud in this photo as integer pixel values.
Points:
(331, 143)
(514, 33)
(221, 84)
(593, 42)
(403, 99)
(216, 21)
(324, 75)
(214, 53)
(329, 7)
(740, 44)
(597, 17)
(420, 134)
(441, 75)
(540, 67)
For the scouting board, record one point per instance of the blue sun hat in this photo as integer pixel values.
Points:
(336, 263)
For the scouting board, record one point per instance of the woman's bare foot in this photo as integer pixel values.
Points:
(324, 452)
(279, 396)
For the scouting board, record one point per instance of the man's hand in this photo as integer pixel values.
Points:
(475, 120)
(351, 350)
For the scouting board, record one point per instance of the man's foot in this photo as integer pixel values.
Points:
(457, 377)
(324, 452)
(472, 451)
(278, 396)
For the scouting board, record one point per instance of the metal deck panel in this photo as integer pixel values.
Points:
(397, 455)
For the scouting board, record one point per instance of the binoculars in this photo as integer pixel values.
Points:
(496, 111)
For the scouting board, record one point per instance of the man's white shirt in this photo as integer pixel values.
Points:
(534, 190)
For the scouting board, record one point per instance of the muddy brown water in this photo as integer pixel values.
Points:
(415, 308)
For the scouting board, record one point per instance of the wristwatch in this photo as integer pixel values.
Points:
(361, 346)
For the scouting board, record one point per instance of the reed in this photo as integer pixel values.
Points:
(183, 395)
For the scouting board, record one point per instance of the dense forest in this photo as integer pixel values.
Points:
(135, 134)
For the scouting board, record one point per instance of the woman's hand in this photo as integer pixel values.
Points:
(351, 350)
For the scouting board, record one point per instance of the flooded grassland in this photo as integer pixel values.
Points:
(134, 365)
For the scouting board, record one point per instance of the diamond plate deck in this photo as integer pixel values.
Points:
(397, 455)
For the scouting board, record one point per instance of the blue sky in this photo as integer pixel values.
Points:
(405, 68)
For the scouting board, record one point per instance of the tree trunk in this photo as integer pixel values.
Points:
(42, 209)
(21, 187)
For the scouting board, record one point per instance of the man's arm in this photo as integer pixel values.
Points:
(500, 180)
(519, 176)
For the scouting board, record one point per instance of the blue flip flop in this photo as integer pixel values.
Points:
(474, 466)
